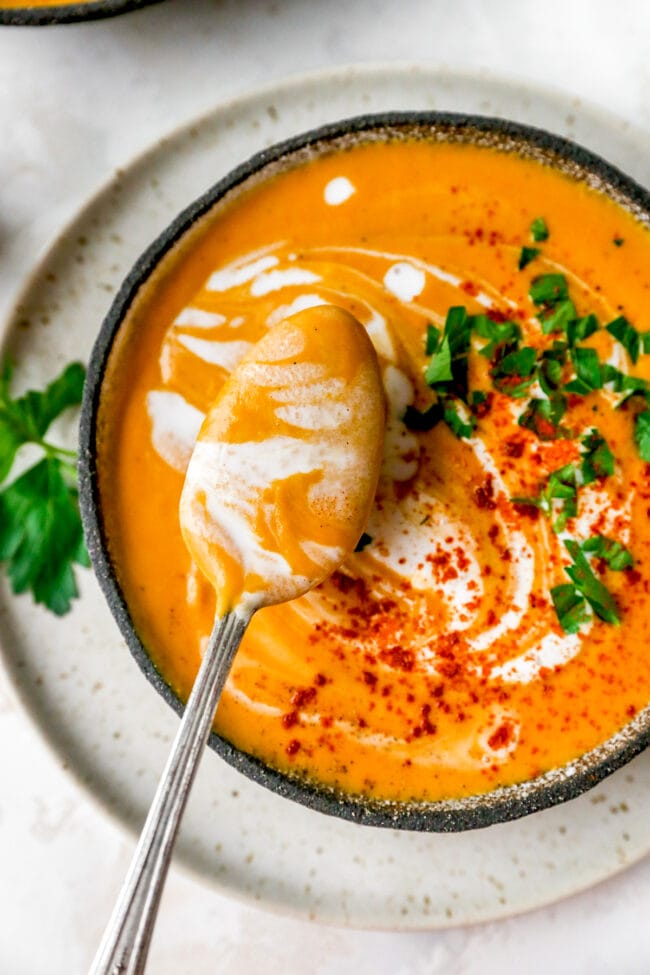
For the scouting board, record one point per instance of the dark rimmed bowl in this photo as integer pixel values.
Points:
(502, 804)
(68, 13)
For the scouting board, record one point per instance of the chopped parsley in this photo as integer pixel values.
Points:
(588, 585)
(461, 426)
(543, 417)
(561, 486)
(549, 289)
(612, 552)
(539, 230)
(515, 372)
(41, 538)
(581, 328)
(447, 368)
(446, 372)
(642, 434)
(589, 376)
(627, 335)
(597, 459)
(559, 317)
(571, 607)
(526, 255)
(498, 334)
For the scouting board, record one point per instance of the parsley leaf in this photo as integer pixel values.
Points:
(515, 372)
(626, 385)
(627, 335)
(539, 230)
(40, 528)
(543, 416)
(497, 333)
(549, 289)
(581, 328)
(560, 317)
(642, 434)
(597, 595)
(561, 486)
(527, 255)
(597, 459)
(439, 368)
(589, 375)
(614, 554)
(461, 427)
(571, 607)
(448, 363)
(433, 339)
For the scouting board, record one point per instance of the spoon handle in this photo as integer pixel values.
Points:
(123, 949)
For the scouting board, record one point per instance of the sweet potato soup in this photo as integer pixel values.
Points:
(494, 622)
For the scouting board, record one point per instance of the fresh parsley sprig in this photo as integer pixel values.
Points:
(40, 528)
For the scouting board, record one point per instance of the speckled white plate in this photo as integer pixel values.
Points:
(77, 677)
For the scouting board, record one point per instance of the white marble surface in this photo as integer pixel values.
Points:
(77, 102)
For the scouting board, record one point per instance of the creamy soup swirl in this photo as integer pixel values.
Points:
(437, 650)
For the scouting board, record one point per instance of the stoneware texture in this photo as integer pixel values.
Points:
(68, 13)
(503, 804)
(86, 693)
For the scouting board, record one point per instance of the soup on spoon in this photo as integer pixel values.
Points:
(277, 494)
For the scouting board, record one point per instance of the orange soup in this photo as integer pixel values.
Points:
(494, 622)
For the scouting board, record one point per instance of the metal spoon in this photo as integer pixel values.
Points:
(344, 350)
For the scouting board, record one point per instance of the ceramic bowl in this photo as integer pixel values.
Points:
(68, 13)
(502, 804)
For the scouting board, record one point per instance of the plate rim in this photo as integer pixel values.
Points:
(335, 74)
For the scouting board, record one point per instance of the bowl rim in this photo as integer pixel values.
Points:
(500, 805)
(68, 13)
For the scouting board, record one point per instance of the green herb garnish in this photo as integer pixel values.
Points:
(40, 528)
(571, 607)
(642, 434)
(543, 417)
(559, 318)
(581, 329)
(539, 230)
(549, 289)
(597, 459)
(433, 339)
(589, 375)
(612, 552)
(446, 372)
(627, 335)
(462, 427)
(448, 364)
(498, 334)
(561, 486)
(515, 372)
(527, 254)
(597, 595)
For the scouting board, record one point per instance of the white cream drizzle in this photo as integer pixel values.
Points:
(338, 191)
(199, 318)
(224, 354)
(175, 424)
(234, 275)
